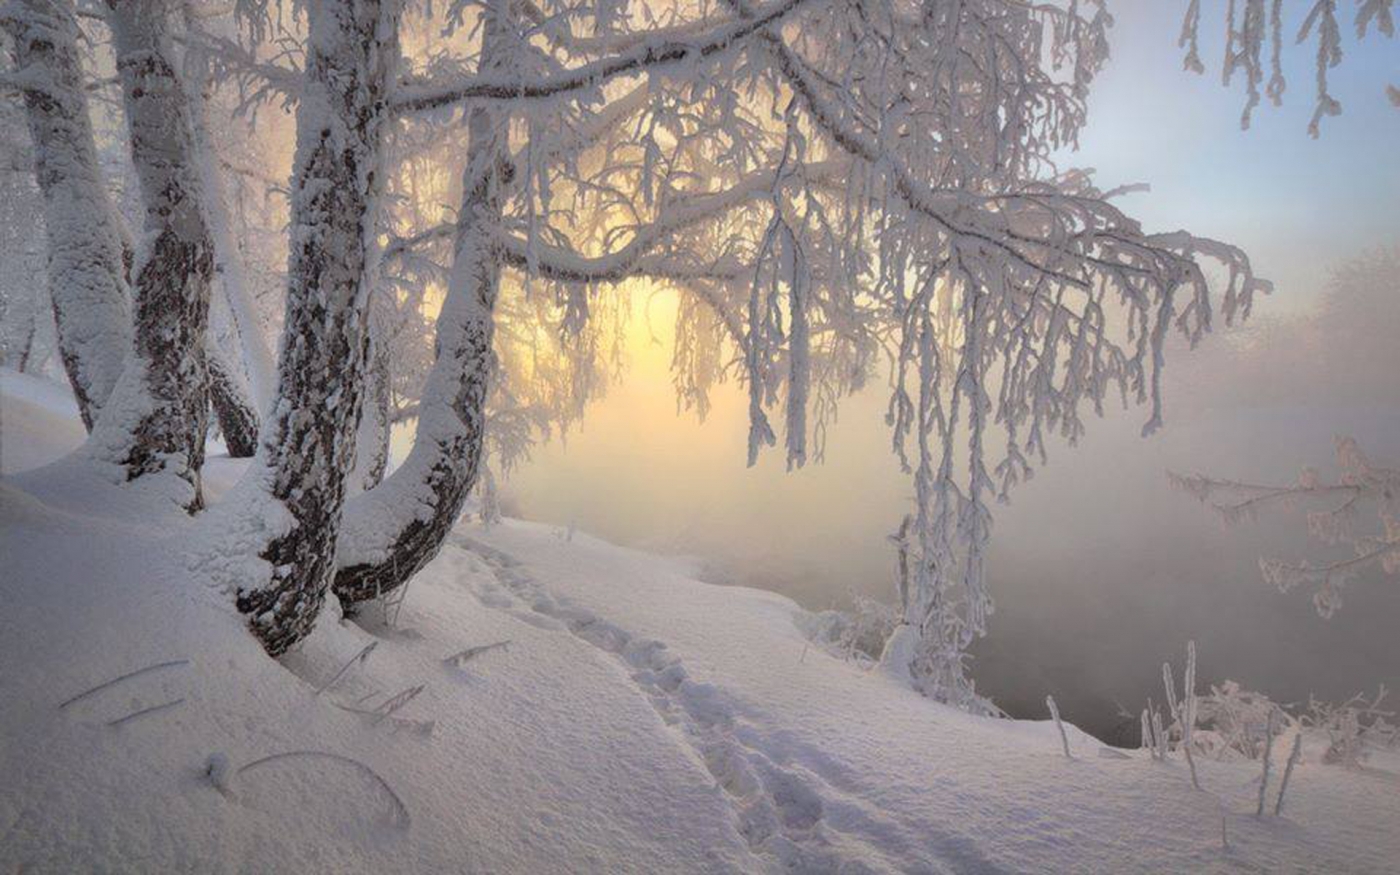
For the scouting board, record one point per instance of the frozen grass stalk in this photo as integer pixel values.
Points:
(1055, 712)
(398, 811)
(1288, 770)
(1188, 707)
(1172, 710)
(357, 658)
(1159, 734)
(135, 715)
(1268, 750)
(463, 656)
(116, 680)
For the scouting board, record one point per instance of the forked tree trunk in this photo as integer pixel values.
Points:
(93, 326)
(155, 422)
(393, 530)
(307, 447)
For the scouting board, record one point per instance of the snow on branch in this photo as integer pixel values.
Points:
(1336, 506)
(648, 54)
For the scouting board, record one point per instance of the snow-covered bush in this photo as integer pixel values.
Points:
(858, 634)
(1353, 727)
(1234, 722)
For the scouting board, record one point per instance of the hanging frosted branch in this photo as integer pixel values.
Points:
(1249, 24)
(1335, 508)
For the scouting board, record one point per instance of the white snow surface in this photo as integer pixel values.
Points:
(638, 721)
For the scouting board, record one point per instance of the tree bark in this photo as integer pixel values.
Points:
(372, 440)
(84, 252)
(232, 403)
(307, 448)
(393, 530)
(156, 421)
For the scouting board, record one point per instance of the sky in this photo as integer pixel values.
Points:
(1291, 201)
(1099, 569)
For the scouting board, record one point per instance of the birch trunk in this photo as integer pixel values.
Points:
(93, 326)
(393, 530)
(232, 402)
(372, 440)
(155, 424)
(308, 445)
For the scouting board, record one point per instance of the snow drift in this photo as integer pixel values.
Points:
(541, 701)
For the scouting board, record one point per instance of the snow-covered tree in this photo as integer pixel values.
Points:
(853, 180)
(24, 303)
(393, 529)
(287, 508)
(100, 222)
(85, 270)
(155, 422)
(824, 181)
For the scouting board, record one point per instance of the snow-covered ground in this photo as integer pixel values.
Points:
(637, 721)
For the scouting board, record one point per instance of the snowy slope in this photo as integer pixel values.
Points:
(38, 422)
(638, 721)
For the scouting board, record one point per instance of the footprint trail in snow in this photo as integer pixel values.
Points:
(782, 815)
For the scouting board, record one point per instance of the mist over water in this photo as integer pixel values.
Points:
(1100, 569)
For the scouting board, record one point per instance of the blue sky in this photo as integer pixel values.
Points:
(1296, 204)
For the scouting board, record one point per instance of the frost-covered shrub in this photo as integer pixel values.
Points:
(1234, 722)
(1353, 727)
(858, 634)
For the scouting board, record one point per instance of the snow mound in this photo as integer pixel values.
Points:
(541, 703)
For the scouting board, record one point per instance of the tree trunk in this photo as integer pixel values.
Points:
(372, 440)
(233, 404)
(84, 252)
(307, 450)
(393, 530)
(229, 266)
(156, 421)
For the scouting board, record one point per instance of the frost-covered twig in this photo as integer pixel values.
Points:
(144, 711)
(116, 680)
(1160, 734)
(1288, 770)
(398, 700)
(464, 656)
(1351, 726)
(1264, 775)
(1182, 712)
(1249, 27)
(1360, 483)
